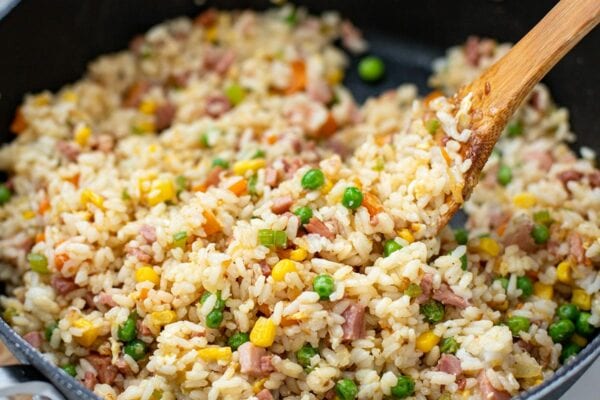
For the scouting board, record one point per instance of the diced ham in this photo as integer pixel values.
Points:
(594, 179)
(142, 329)
(69, 150)
(122, 366)
(282, 204)
(291, 165)
(106, 372)
(518, 232)
(33, 338)
(489, 392)
(89, 380)
(105, 299)
(476, 48)
(104, 142)
(178, 80)
(254, 360)
(213, 178)
(265, 268)
(449, 364)
(164, 115)
(207, 18)
(426, 288)
(264, 394)
(339, 147)
(136, 44)
(576, 247)
(543, 159)
(446, 296)
(319, 90)
(568, 176)
(139, 254)
(218, 60)
(271, 176)
(315, 225)
(354, 324)
(216, 105)
(352, 38)
(63, 285)
(148, 233)
(134, 94)
(461, 383)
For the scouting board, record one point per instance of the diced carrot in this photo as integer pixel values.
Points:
(502, 228)
(211, 225)
(372, 204)
(199, 188)
(298, 78)
(74, 180)
(19, 123)
(287, 321)
(532, 274)
(239, 187)
(40, 237)
(144, 293)
(44, 206)
(446, 156)
(272, 139)
(381, 140)
(431, 96)
(328, 128)
(60, 259)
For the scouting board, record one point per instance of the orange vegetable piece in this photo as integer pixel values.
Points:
(240, 187)
(328, 128)
(211, 225)
(372, 204)
(44, 206)
(298, 78)
(74, 180)
(60, 259)
(40, 237)
(144, 293)
(431, 96)
(19, 123)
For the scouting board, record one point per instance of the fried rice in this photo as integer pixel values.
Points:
(162, 239)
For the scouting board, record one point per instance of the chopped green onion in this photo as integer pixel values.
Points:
(514, 129)
(542, 217)
(252, 184)
(38, 263)
(432, 125)
(461, 236)
(220, 163)
(413, 290)
(504, 175)
(390, 246)
(5, 194)
(463, 262)
(270, 237)
(235, 93)
(180, 184)
(259, 154)
(180, 239)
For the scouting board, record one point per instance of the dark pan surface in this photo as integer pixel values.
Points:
(46, 44)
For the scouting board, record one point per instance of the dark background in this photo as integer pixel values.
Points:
(47, 43)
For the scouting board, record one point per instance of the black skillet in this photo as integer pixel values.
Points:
(45, 44)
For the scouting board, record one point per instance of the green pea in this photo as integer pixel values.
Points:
(583, 326)
(569, 350)
(324, 285)
(449, 345)
(238, 339)
(514, 129)
(371, 69)
(128, 331)
(561, 330)
(49, 331)
(542, 217)
(346, 389)
(504, 175)
(305, 354)
(404, 387)
(5, 194)
(390, 246)
(433, 311)
(38, 263)
(568, 311)
(503, 282)
(432, 125)
(352, 198)
(461, 236)
(313, 179)
(214, 319)
(235, 94)
(136, 349)
(526, 285)
(413, 290)
(219, 162)
(540, 233)
(69, 369)
(518, 324)
(305, 213)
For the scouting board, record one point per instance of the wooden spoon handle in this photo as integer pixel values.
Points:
(502, 88)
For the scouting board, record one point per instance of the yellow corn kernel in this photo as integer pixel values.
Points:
(215, 354)
(212, 34)
(563, 272)
(87, 196)
(543, 291)
(426, 341)
(258, 385)
(299, 254)
(241, 167)
(160, 318)
(147, 106)
(327, 186)
(282, 268)
(89, 332)
(406, 235)
(152, 148)
(42, 99)
(160, 190)
(524, 200)
(144, 127)
(335, 76)
(70, 96)
(147, 274)
(581, 299)
(466, 393)
(28, 214)
(82, 135)
(263, 332)
(579, 340)
(489, 246)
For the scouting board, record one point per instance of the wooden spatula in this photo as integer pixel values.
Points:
(502, 88)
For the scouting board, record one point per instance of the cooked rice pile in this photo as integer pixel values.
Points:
(121, 215)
